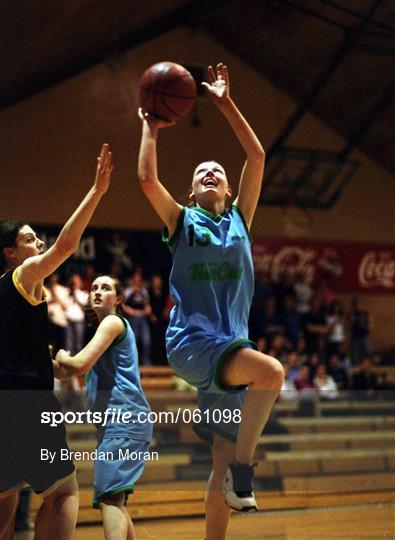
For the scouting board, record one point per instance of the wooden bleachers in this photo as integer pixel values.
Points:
(344, 454)
(157, 378)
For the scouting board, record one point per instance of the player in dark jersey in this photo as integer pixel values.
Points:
(26, 374)
(207, 342)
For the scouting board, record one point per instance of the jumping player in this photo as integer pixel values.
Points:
(26, 374)
(113, 383)
(212, 284)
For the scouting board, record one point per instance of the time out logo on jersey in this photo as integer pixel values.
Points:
(214, 272)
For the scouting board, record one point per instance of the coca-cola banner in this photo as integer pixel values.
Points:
(349, 266)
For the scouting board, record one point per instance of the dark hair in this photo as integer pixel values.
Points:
(8, 232)
(90, 315)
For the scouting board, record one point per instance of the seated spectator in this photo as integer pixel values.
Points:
(313, 362)
(261, 344)
(300, 348)
(364, 381)
(293, 364)
(339, 374)
(325, 384)
(303, 380)
(278, 347)
(307, 392)
(288, 390)
(290, 320)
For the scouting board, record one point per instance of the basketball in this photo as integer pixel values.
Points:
(167, 91)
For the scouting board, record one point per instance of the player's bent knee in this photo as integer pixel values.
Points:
(271, 374)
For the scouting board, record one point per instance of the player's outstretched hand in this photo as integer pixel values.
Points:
(104, 169)
(218, 85)
(152, 121)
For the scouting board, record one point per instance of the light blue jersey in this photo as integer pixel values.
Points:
(114, 383)
(211, 284)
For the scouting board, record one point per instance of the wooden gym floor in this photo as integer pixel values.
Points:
(351, 522)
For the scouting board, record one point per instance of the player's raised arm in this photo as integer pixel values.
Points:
(35, 269)
(163, 203)
(251, 176)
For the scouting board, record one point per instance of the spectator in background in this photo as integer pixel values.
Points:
(313, 363)
(360, 327)
(290, 320)
(261, 344)
(293, 363)
(300, 348)
(325, 384)
(270, 320)
(324, 294)
(283, 287)
(137, 309)
(78, 300)
(288, 390)
(386, 386)
(303, 380)
(57, 297)
(262, 290)
(303, 295)
(316, 329)
(338, 373)
(158, 319)
(88, 277)
(117, 270)
(71, 396)
(344, 358)
(364, 381)
(336, 322)
(278, 347)
(307, 392)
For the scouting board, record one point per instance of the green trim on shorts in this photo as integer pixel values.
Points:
(239, 344)
(128, 489)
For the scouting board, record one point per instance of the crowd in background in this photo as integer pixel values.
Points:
(324, 348)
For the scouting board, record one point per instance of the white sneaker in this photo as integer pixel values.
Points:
(238, 487)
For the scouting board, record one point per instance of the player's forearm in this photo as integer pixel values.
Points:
(147, 164)
(242, 130)
(70, 236)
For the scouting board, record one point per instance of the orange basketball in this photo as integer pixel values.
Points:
(167, 91)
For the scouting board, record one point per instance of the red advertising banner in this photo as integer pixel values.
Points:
(350, 266)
